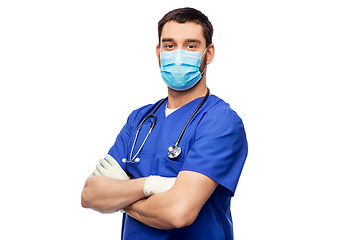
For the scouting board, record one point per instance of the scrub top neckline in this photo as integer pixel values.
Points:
(169, 111)
(186, 106)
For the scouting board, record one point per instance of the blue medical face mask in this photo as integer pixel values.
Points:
(180, 69)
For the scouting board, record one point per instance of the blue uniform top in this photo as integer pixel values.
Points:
(214, 144)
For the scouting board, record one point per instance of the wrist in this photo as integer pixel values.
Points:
(142, 185)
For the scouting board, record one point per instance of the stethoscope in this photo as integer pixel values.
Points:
(174, 150)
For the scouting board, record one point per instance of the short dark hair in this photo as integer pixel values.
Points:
(183, 15)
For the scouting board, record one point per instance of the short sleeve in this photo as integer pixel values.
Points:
(220, 148)
(121, 146)
(119, 150)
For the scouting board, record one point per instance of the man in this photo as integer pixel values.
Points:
(165, 195)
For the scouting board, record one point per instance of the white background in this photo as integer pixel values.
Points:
(72, 71)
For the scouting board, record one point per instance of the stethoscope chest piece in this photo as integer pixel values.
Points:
(174, 151)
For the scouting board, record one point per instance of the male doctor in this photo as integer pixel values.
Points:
(186, 197)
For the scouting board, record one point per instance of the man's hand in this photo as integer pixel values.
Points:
(109, 167)
(157, 184)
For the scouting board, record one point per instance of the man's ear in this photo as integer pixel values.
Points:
(158, 52)
(210, 54)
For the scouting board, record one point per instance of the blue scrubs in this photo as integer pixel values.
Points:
(214, 144)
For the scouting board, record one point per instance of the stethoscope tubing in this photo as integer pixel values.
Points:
(152, 115)
(193, 114)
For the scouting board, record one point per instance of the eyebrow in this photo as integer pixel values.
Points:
(193, 40)
(167, 40)
(187, 40)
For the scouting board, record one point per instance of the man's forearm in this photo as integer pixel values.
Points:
(179, 206)
(153, 211)
(107, 195)
(165, 210)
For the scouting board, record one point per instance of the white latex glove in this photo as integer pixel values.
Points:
(109, 167)
(157, 184)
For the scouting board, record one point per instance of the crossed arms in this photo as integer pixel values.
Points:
(175, 208)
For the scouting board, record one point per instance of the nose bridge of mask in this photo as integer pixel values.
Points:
(188, 58)
(178, 58)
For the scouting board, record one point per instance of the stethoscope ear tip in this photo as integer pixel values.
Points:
(130, 161)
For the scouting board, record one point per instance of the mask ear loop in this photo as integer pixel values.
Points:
(202, 73)
(204, 51)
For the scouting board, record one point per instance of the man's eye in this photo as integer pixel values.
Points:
(191, 46)
(169, 46)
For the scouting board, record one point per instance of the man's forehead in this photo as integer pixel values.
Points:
(182, 32)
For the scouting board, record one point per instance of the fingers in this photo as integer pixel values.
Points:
(100, 169)
(105, 163)
(109, 167)
(96, 172)
(111, 160)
